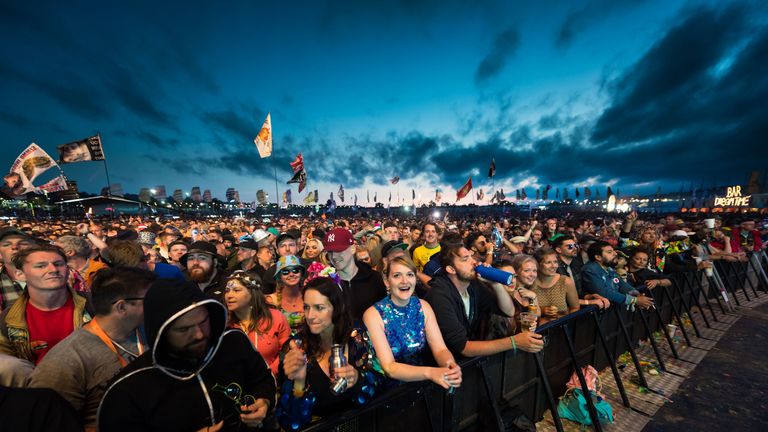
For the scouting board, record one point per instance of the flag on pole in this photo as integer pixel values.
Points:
(368, 196)
(523, 194)
(375, 197)
(88, 149)
(577, 193)
(464, 190)
(341, 192)
(545, 194)
(310, 198)
(395, 179)
(517, 194)
(557, 193)
(537, 194)
(438, 195)
(58, 184)
(263, 140)
(299, 175)
(587, 192)
(355, 200)
(413, 194)
(316, 197)
(492, 169)
(480, 194)
(609, 192)
(298, 163)
(390, 196)
(288, 196)
(32, 162)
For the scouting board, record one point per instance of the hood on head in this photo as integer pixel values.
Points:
(165, 301)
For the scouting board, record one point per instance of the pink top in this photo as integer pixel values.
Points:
(269, 342)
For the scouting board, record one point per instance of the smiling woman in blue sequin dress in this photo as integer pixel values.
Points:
(401, 326)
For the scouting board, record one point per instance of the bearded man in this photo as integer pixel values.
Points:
(205, 267)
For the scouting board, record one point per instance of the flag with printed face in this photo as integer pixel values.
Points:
(88, 149)
(32, 162)
(263, 140)
(464, 190)
(288, 199)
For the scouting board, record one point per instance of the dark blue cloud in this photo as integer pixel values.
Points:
(504, 46)
(581, 18)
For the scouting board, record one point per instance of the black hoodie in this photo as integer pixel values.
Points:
(164, 393)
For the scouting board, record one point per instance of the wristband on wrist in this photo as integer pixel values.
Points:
(514, 345)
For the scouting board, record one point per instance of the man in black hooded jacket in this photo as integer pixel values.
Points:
(197, 375)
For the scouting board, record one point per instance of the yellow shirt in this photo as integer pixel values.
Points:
(422, 254)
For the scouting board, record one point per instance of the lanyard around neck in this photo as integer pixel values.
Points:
(94, 327)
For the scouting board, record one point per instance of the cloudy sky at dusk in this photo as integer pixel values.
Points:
(632, 94)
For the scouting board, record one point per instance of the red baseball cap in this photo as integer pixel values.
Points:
(338, 240)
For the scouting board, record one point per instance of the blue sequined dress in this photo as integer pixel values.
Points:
(404, 328)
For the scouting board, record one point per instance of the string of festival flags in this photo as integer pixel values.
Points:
(34, 161)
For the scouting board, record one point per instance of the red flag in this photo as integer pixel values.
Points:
(298, 163)
(461, 193)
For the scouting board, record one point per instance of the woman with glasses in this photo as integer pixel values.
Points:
(249, 311)
(287, 297)
(401, 326)
(306, 375)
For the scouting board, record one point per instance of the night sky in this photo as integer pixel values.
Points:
(630, 94)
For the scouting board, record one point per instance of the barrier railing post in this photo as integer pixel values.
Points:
(663, 328)
(692, 294)
(762, 280)
(649, 334)
(611, 361)
(700, 277)
(677, 315)
(548, 391)
(686, 308)
(630, 346)
(725, 280)
(741, 281)
(718, 280)
(747, 279)
(696, 282)
(491, 398)
(584, 388)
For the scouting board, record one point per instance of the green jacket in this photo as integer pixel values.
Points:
(14, 334)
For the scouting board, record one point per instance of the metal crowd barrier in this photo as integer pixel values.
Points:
(495, 386)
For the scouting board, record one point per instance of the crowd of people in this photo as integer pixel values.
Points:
(229, 324)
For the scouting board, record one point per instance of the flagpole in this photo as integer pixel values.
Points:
(277, 192)
(106, 171)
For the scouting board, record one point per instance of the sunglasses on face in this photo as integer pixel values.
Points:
(571, 246)
(288, 271)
